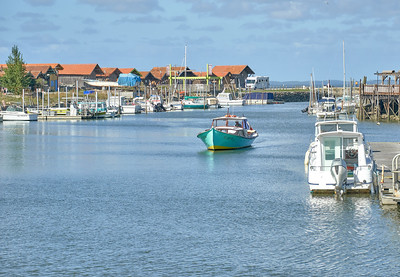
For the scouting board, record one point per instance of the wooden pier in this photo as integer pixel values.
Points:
(388, 173)
(381, 101)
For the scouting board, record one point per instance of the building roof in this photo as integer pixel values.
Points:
(126, 70)
(56, 66)
(203, 74)
(36, 69)
(161, 72)
(223, 70)
(80, 69)
(108, 71)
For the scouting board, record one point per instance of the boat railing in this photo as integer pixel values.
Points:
(350, 168)
(396, 171)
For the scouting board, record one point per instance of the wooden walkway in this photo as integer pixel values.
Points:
(384, 152)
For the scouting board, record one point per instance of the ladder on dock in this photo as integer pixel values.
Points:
(389, 186)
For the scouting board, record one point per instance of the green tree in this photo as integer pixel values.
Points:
(15, 77)
(136, 72)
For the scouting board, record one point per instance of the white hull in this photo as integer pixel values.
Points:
(131, 109)
(335, 142)
(225, 99)
(232, 103)
(174, 106)
(19, 116)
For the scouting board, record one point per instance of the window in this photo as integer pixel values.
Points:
(331, 150)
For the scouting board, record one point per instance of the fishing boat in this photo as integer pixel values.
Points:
(123, 105)
(16, 113)
(92, 109)
(228, 132)
(194, 102)
(339, 160)
(225, 100)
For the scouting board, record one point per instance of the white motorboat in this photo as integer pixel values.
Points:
(126, 107)
(339, 159)
(225, 100)
(194, 102)
(326, 108)
(15, 113)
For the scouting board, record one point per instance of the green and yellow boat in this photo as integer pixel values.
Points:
(228, 132)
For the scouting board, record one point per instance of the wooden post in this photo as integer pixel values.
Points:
(360, 112)
(378, 106)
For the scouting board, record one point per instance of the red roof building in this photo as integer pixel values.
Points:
(233, 74)
(73, 74)
(110, 74)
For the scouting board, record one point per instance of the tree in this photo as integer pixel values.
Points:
(15, 77)
(136, 72)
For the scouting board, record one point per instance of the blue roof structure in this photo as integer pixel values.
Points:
(128, 80)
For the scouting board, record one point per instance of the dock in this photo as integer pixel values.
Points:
(58, 117)
(387, 159)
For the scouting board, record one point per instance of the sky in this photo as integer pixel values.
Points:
(285, 40)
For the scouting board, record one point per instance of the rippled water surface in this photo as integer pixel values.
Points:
(141, 196)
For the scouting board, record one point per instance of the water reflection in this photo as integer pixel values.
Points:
(14, 143)
(230, 156)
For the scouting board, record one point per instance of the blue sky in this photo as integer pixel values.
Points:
(285, 40)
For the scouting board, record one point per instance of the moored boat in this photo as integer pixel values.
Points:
(194, 102)
(15, 113)
(339, 160)
(228, 132)
(225, 100)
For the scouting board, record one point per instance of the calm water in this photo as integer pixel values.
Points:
(140, 196)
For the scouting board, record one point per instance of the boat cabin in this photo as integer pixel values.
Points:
(232, 124)
(334, 126)
(344, 145)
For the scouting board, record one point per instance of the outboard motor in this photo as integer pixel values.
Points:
(339, 172)
(159, 108)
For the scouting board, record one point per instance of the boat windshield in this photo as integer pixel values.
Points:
(230, 123)
(14, 109)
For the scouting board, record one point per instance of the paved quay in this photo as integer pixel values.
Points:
(388, 179)
(384, 152)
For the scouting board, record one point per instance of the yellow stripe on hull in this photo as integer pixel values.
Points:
(216, 147)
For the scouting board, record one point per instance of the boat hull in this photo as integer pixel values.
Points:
(131, 109)
(19, 116)
(216, 140)
(195, 106)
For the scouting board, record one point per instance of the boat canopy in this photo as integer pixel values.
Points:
(128, 80)
(88, 92)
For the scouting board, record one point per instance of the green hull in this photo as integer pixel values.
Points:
(194, 106)
(216, 140)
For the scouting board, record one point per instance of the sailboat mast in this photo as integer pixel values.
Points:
(311, 94)
(344, 75)
(184, 86)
